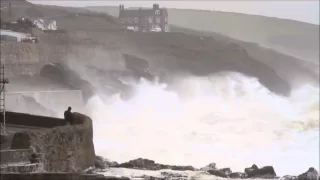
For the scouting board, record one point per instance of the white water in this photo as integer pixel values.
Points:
(228, 119)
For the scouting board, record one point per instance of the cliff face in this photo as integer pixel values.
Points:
(172, 52)
(65, 148)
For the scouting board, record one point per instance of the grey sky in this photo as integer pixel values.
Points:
(306, 11)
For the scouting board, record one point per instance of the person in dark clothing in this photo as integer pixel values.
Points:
(68, 115)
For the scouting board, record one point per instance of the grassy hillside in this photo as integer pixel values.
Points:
(291, 37)
(100, 38)
(288, 67)
(71, 19)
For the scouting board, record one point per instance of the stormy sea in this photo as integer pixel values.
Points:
(226, 118)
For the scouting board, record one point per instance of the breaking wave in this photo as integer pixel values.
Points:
(227, 118)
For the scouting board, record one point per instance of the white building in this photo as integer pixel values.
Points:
(14, 36)
(45, 24)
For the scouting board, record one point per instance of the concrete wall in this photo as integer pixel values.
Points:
(28, 58)
(66, 148)
(45, 103)
(15, 156)
(22, 168)
(32, 120)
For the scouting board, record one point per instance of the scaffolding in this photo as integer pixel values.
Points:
(3, 82)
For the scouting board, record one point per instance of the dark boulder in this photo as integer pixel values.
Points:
(218, 173)
(182, 168)
(227, 171)
(145, 177)
(172, 175)
(142, 163)
(138, 164)
(288, 177)
(211, 166)
(127, 165)
(265, 172)
(311, 174)
(237, 175)
(101, 162)
(111, 178)
(250, 169)
(151, 165)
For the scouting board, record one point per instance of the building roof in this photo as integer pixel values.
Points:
(140, 12)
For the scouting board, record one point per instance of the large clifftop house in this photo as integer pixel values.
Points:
(145, 20)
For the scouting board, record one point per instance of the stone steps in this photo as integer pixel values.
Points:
(15, 156)
(19, 161)
(22, 168)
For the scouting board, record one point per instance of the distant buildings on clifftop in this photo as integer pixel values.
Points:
(153, 19)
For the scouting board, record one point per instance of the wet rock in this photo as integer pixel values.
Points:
(172, 175)
(311, 174)
(250, 169)
(182, 168)
(151, 165)
(237, 175)
(101, 162)
(265, 172)
(287, 177)
(227, 171)
(211, 166)
(111, 178)
(145, 177)
(218, 173)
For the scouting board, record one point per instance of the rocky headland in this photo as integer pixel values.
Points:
(150, 170)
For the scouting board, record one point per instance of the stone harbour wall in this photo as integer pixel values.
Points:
(67, 148)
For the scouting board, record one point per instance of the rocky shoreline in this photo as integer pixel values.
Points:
(211, 171)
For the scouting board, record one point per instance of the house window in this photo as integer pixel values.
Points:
(157, 12)
(158, 19)
(136, 20)
(150, 18)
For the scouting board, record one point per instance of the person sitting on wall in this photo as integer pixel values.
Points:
(68, 115)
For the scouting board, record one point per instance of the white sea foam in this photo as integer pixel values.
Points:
(228, 118)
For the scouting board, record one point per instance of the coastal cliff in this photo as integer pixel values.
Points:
(67, 148)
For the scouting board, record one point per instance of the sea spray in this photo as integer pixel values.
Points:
(228, 118)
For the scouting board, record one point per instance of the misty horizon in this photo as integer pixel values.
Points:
(303, 11)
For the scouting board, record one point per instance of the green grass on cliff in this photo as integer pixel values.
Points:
(291, 37)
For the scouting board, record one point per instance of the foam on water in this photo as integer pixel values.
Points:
(227, 118)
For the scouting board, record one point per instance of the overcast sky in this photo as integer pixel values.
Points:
(306, 11)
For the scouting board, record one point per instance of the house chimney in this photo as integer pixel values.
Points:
(155, 6)
(121, 8)
(10, 9)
